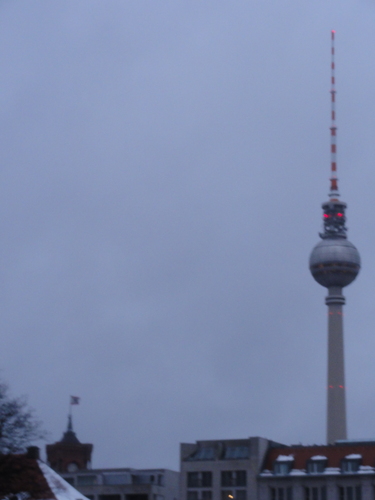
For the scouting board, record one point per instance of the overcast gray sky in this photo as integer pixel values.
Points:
(163, 163)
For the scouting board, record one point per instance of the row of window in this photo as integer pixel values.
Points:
(228, 478)
(225, 495)
(317, 493)
(204, 495)
(116, 478)
(228, 453)
(281, 493)
(282, 468)
(350, 493)
(132, 496)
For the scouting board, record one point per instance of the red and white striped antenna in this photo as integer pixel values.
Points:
(334, 190)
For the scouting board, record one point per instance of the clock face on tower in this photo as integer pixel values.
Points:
(72, 467)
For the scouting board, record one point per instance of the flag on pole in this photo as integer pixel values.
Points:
(74, 400)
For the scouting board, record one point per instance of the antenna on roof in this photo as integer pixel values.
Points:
(334, 190)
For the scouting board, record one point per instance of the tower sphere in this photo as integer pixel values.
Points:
(334, 262)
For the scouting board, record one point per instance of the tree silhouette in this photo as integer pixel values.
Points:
(18, 424)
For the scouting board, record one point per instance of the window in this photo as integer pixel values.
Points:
(69, 480)
(281, 493)
(233, 494)
(204, 495)
(86, 480)
(350, 466)
(199, 479)
(193, 479)
(316, 466)
(226, 478)
(350, 493)
(316, 493)
(282, 468)
(207, 453)
(109, 497)
(192, 495)
(227, 495)
(160, 480)
(120, 478)
(236, 452)
(240, 478)
(143, 479)
(233, 478)
(206, 479)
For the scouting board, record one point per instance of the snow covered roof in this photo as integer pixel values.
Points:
(285, 458)
(297, 472)
(331, 455)
(366, 469)
(59, 487)
(26, 477)
(332, 470)
(266, 472)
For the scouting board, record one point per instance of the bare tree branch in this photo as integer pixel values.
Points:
(18, 424)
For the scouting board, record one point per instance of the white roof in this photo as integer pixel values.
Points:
(318, 457)
(266, 472)
(297, 472)
(285, 458)
(354, 455)
(366, 469)
(332, 470)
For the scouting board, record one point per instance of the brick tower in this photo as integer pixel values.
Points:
(69, 455)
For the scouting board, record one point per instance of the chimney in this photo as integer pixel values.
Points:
(33, 452)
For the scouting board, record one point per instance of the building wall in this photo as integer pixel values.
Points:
(343, 471)
(133, 484)
(219, 462)
(332, 484)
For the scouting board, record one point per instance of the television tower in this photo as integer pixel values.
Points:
(335, 263)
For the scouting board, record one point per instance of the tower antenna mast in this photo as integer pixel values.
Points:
(334, 192)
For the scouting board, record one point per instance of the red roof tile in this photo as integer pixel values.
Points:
(334, 454)
(21, 474)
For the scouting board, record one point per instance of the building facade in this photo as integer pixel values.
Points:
(126, 484)
(222, 469)
(343, 471)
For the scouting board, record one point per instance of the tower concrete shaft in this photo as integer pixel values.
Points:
(336, 404)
